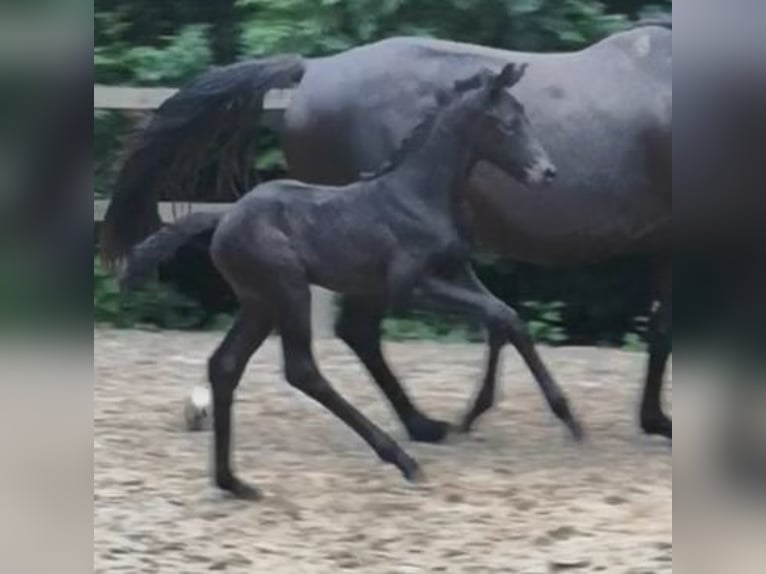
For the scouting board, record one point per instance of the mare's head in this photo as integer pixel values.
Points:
(495, 124)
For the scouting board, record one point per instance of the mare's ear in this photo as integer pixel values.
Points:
(510, 75)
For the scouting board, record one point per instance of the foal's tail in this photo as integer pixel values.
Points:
(145, 257)
(200, 139)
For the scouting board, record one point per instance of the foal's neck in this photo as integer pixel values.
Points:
(440, 165)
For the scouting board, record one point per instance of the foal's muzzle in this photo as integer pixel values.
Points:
(541, 173)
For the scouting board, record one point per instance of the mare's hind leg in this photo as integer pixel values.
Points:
(466, 296)
(358, 326)
(653, 420)
(301, 371)
(225, 369)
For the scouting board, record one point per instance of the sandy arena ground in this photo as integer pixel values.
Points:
(517, 496)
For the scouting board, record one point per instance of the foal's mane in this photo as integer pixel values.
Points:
(422, 129)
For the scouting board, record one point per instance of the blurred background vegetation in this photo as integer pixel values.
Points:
(146, 43)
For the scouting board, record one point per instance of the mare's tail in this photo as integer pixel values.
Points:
(208, 126)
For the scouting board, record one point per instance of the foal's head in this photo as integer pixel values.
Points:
(495, 124)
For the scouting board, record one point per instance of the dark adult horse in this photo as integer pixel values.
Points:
(604, 114)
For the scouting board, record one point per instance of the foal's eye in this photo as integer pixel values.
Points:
(512, 125)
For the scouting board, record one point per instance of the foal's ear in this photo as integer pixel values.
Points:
(510, 75)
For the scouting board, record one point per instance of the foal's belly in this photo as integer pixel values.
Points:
(347, 275)
(345, 261)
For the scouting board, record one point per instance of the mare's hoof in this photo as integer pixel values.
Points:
(423, 429)
(238, 489)
(657, 425)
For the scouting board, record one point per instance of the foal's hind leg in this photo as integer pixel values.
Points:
(485, 398)
(302, 372)
(358, 326)
(468, 297)
(498, 337)
(225, 369)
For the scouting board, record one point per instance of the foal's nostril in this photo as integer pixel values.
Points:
(549, 174)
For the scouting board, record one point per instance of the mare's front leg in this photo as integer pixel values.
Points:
(467, 297)
(358, 326)
(302, 372)
(653, 420)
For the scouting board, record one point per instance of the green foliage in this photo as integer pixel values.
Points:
(657, 10)
(430, 327)
(154, 305)
(544, 321)
(174, 58)
(184, 55)
(633, 342)
(316, 28)
(635, 339)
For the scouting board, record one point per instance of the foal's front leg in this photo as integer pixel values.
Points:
(466, 296)
(358, 326)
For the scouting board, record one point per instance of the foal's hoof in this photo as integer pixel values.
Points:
(657, 425)
(415, 475)
(238, 489)
(410, 469)
(576, 429)
(423, 429)
(468, 423)
(563, 411)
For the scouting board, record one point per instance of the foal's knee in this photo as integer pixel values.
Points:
(355, 334)
(223, 375)
(504, 323)
(346, 330)
(304, 376)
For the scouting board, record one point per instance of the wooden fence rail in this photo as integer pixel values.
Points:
(146, 99)
(129, 98)
(169, 211)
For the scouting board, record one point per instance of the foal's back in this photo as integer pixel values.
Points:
(333, 236)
